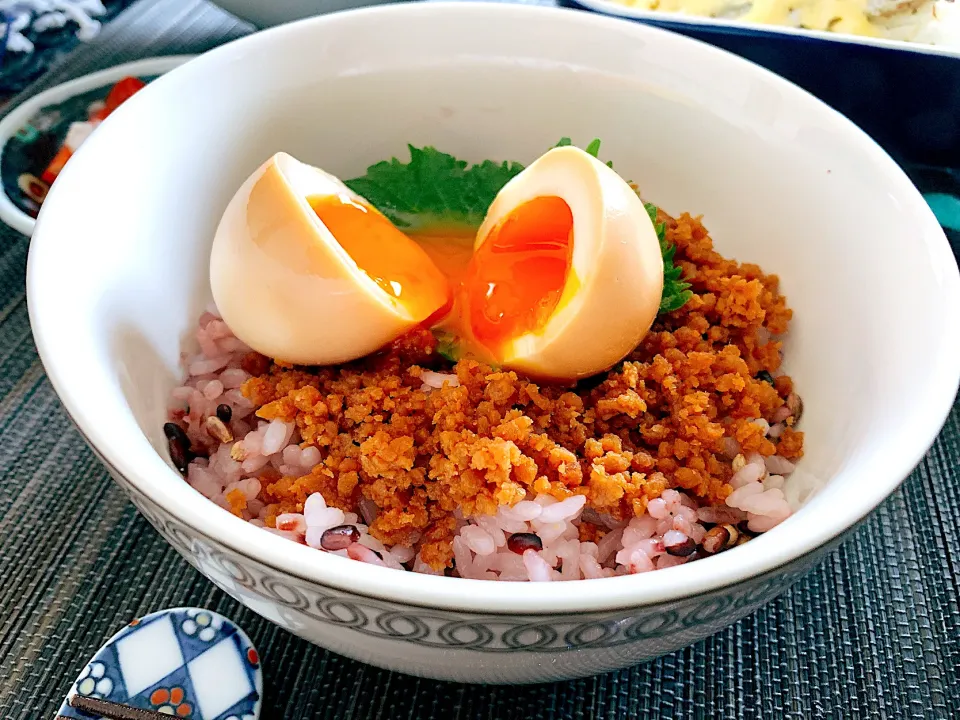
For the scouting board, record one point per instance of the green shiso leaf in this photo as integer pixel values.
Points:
(676, 292)
(435, 188)
(448, 346)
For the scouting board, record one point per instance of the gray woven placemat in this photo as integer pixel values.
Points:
(873, 633)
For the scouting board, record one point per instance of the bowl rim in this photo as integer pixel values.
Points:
(152, 476)
(16, 118)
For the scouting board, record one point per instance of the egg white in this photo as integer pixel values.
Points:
(612, 293)
(284, 284)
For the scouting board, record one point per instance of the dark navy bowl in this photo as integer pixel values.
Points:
(907, 99)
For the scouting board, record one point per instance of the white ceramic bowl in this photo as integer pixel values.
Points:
(116, 282)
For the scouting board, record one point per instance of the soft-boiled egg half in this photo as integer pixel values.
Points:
(567, 273)
(305, 271)
(563, 281)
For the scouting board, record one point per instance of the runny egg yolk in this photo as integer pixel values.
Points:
(450, 248)
(393, 261)
(516, 278)
(305, 270)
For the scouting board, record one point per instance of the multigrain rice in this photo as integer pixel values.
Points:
(409, 461)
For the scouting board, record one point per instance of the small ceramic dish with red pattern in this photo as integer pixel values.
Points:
(40, 135)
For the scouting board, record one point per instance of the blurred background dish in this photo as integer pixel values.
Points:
(265, 13)
(39, 135)
(931, 22)
(903, 94)
(36, 34)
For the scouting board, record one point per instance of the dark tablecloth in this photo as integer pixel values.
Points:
(19, 69)
(873, 633)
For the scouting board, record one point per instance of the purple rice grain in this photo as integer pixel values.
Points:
(172, 430)
(340, 537)
(224, 412)
(179, 446)
(681, 549)
(179, 454)
(521, 542)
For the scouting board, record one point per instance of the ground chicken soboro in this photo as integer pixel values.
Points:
(654, 422)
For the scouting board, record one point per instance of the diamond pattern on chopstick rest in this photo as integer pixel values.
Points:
(148, 655)
(185, 662)
(215, 697)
